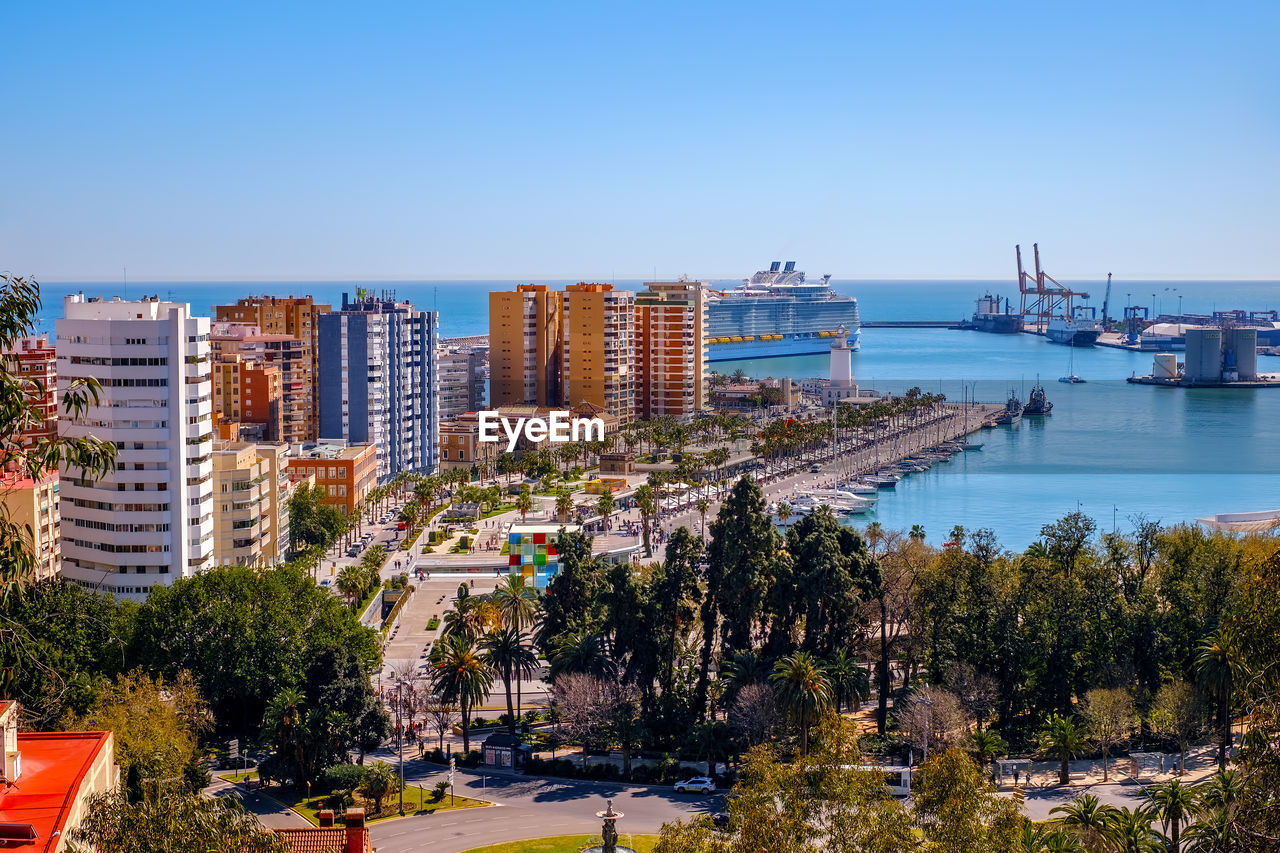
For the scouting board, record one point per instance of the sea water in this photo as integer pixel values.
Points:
(1115, 451)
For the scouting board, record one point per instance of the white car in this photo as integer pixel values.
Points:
(696, 785)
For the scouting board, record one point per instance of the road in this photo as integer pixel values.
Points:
(528, 808)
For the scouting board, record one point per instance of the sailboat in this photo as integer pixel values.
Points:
(1071, 378)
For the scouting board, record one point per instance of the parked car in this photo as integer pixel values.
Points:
(353, 551)
(815, 468)
(324, 582)
(696, 785)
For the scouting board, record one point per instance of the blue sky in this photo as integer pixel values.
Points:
(523, 140)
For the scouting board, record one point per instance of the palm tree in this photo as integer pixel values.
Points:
(1039, 839)
(1213, 832)
(1088, 818)
(378, 781)
(784, 512)
(1220, 669)
(350, 583)
(1129, 831)
(463, 677)
(1063, 738)
(579, 651)
(1221, 790)
(848, 680)
(986, 745)
(1173, 802)
(524, 503)
(917, 533)
(702, 505)
(803, 689)
(647, 505)
(564, 504)
(507, 653)
(517, 602)
(605, 507)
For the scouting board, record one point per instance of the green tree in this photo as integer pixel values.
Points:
(803, 691)
(742, 556)
(1110, 716)
(1177, 712)
(244, 635)
(1063, 738)
(175, 822)
(648, 507)
(156, 724)
(959, 811)
(58, 643)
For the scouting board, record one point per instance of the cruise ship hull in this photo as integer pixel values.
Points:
(797, 344)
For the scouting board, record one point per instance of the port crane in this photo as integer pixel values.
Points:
(1106, 300)
(1040, 301)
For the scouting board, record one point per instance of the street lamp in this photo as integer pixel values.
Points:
(928, 720)
(400, 682)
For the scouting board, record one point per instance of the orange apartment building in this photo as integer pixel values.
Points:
(598, 349)
(671, 349)
(346, 473)
(297, 318)
(230, 343)
(524, 346)
(251, 394)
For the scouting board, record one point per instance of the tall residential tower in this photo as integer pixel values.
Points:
(378, 381)
(151, 519)
(524, 346)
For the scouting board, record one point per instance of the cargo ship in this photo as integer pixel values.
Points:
(989, 318)
(776, 312)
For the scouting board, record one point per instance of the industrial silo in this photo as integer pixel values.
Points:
(1204, 356)
(1241, 345)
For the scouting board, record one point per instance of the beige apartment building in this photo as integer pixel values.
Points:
(671, 349)
(295, 318)
(524, 346)
(243, 528)
(598, 349)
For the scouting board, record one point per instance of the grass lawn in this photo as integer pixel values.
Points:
(416, 801)
(241, 777)
(567, 844)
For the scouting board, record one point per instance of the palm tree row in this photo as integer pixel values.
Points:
(1176, 817)
(486, 637)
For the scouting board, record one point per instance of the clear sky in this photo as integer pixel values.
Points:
(243, 140)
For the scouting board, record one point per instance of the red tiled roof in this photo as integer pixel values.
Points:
(314, 839)
(54, 765)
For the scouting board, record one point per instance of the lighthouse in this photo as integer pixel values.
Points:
(840, 384)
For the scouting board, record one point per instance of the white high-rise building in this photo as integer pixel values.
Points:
(150, 520)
